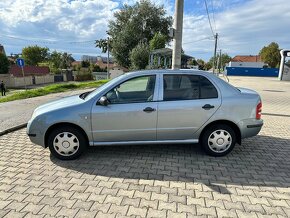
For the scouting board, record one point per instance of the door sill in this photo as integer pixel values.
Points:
(187, 141)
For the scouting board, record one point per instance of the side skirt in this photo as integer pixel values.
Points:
(188, 141)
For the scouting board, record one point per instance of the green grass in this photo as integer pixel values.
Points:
(55, 88)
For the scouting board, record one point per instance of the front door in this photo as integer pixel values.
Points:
(188, 102)
(131, 114)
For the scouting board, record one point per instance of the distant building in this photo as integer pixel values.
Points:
(247, 61)
(98, 60)
(102, 62)
(2, 50)
(92, 59)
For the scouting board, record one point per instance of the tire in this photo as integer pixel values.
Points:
(67, 143)
(218, 140)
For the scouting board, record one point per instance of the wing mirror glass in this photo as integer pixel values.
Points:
(104, 101)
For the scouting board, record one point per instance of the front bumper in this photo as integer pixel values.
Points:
(250, 127)
(34, 134)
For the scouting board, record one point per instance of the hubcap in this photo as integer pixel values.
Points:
(219, 141)
(66, 144)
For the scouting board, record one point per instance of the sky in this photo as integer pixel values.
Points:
(243, 26)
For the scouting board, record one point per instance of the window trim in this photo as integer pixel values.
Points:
(186, 74)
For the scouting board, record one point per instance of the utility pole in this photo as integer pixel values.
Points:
(220, 61)
(214, 55)
(177, 38)
(108, 58)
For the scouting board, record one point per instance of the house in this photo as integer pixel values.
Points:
(247, 61)
(102, 62)
(2, 50)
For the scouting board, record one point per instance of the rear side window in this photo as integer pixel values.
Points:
(187, 87)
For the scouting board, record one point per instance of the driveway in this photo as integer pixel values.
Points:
(156, 181)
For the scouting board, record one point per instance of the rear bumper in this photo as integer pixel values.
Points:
(250, 127)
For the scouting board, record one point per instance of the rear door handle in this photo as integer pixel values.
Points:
(207, 106)
(148, 109)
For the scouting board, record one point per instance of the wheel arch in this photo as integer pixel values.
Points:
(63, 124)
(226, 122)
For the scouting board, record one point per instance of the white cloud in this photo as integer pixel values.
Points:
(243, 28)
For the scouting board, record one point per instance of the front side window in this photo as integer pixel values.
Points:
(139, 89)
(187, 87)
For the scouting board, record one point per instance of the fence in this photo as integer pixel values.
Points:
(250, 71)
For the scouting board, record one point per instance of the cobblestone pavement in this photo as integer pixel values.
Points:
(151, 181)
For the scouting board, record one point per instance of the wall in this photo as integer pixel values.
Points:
(250, 71)
(247, 64)
(11, 81)
(99, 75)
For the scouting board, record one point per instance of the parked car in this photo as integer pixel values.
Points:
(150, 107)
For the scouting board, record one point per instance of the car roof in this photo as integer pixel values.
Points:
(168, 71)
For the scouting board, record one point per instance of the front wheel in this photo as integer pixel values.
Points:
(218, 140)
(66, 143)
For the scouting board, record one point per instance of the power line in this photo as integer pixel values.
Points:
(197, 40)
(212, 7)
(208, 17)
(47, 41)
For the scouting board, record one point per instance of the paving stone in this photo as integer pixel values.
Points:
(160, 180)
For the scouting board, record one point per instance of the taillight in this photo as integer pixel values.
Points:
(259, 111)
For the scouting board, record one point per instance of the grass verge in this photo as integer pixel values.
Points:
(55, 88)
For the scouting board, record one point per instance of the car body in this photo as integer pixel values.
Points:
(150, 107)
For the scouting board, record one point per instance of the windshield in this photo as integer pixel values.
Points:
(103, 87)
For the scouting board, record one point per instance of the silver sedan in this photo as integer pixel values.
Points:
(150, 107)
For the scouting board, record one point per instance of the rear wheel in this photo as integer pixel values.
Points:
(218, 140)
(66, 143)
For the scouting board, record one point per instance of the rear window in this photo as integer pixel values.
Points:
(187, 87)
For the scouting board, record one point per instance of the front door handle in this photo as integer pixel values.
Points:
(207, 106)
(148, 109)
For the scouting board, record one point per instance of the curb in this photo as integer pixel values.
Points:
(12, 129)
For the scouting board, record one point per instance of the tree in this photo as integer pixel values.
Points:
(270, 54)
(134, 24)
(55, 59)
(192, 61)
(85, 64)
(4, 64)
(139, 56)
(103, 44)
(66, 60)
(33, 55)
(225, 58)
(201, 64)
(158, 41)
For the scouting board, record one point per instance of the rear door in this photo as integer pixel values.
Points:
(188, 101)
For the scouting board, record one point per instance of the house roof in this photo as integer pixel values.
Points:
(28, 71)
(247, 58)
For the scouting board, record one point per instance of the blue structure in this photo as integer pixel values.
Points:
(251, 71)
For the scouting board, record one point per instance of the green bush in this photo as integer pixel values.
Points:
(84, 77)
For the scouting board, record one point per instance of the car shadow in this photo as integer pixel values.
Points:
(259, 161)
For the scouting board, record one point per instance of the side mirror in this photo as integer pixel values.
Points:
(103, 101)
